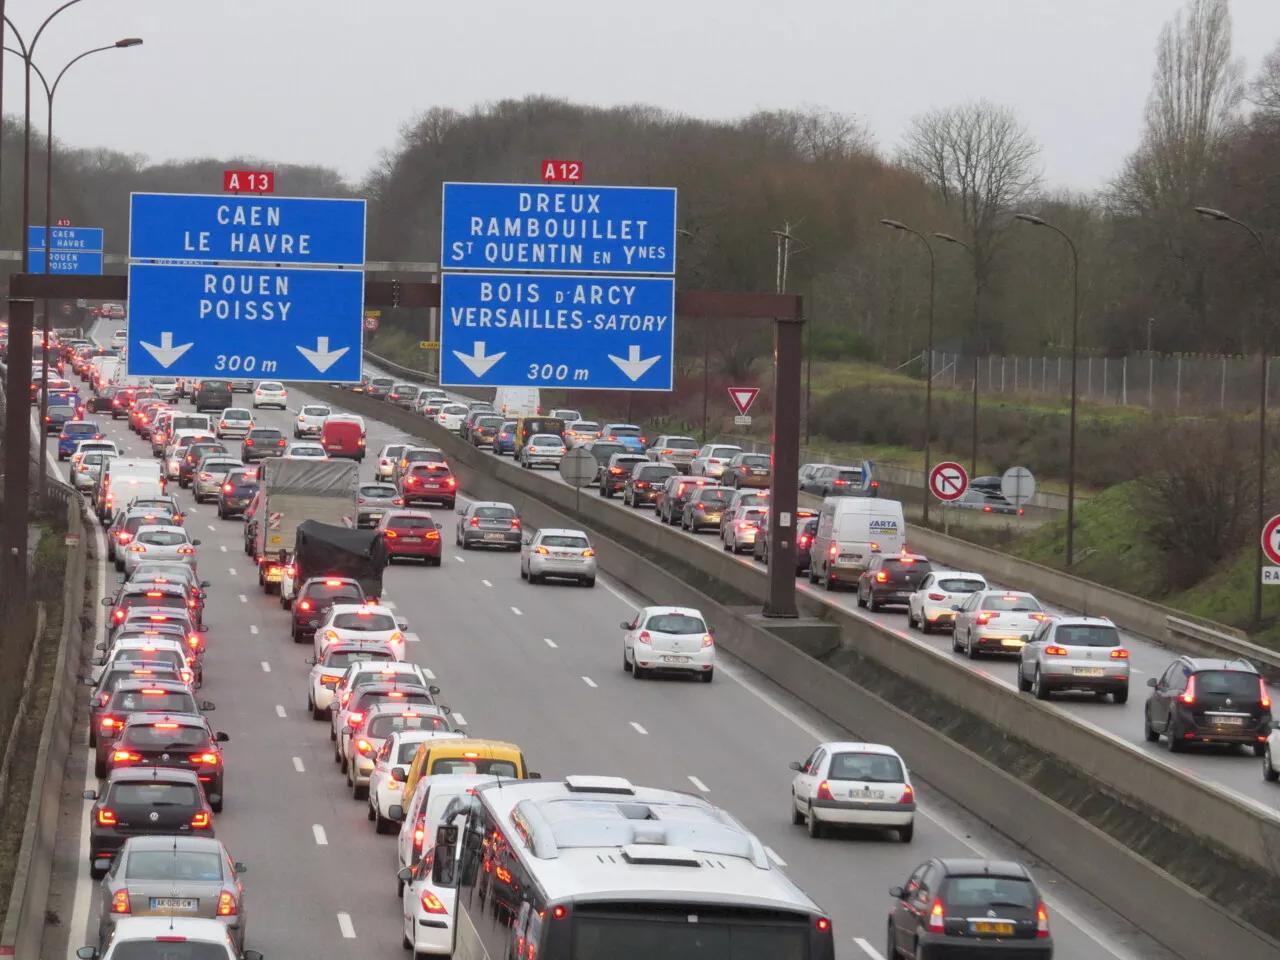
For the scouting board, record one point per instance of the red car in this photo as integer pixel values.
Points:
(411, 533)
(425, 482)
(343, 438)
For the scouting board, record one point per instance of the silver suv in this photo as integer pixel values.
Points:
(1075, 653)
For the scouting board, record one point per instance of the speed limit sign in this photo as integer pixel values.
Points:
(371, 323)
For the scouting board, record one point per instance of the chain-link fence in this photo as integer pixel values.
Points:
(1191, 383)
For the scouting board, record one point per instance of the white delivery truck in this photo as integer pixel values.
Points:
(292, 491)
(516, 402)
(851, 530)
(110, 369)
(125, 479)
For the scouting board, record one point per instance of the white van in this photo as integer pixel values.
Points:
(123, 479)
(516, 402)
(851, 530)
(110, 370)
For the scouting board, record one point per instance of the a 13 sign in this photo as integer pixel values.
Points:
(249, 181)
(561, 171)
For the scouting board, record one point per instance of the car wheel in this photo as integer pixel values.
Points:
(94, 872)
(534, 579)
(589, 582)
(970, 648)
(925, 625)
(829, 584)
(216, 807)
(724, 544)
(626, 664)
(1121, 695)
(380, 823)
(333, 736)
(1148, 733)
(891, 946)
(816, 829)
(99, 768)
(360, 791)
(873, 604)
(1269, 772)
(906, 833)
(524, 574)
(1024, 685)
(638, 672)
(797, 818)
(1175, 737)
(1038, 688)
(707, 675)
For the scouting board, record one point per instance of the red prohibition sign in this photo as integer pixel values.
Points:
(948, 481)
(1271, 540)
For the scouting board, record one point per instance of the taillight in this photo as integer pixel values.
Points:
(644, 637)
(1042, 921)
(330, 677)
(107, 817)
(937, 597)
(355, 719)
(908, 795)
(936, 913)
(226, 904)
(1124, 655)
(193, 641)
(824, 791)
(139, 548)
(1262, 692)
(1189, 695)
(201, 819)
(1055, 651)
(431, 903)
(744, 525)
(364, 747)
(707, 640)
(208, 759)
(304, 605)
(475, 521)
(882, 576)
(183, 550)
(418, 836)
(588, 552)
(226, 488)
(1041, 617)
(124, 756)
(120, 902)
(110, 722)
(515, 523)
(986, 616)
(804, 540)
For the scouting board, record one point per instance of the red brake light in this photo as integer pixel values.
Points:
(1189, 694)
(937, 596)
(824, 791)
(1124, 655)
(644, 637)
(882, 576)
(120, 902)
(364, 746)
(707, 640)
(226, 488)
(280, 442)
(107, 817)
(110, 722)
(226, 904)
(249, 442)
(986, 616)
(201, 819)
(1262, 690)
(1042, 921)
(908, 795)
(124, 756)
(1055, 651)
(475, 521)
(304, 605)
(936, 913)
(208, 759)
(418, 836)
(823, 924)
(355, 718)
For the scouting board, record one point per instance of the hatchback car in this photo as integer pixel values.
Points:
(675, 492)
(237, 491)
(212, 395)
(328, 671)
(704, 508)
(427, 483)
(157, 801)
(410, 455)
(852, 784)
(373, 500)
(179, 740)
(504, 441)
(578, 432)
(196, 452)
(411, 535)
(642, 486)
(377, 724)
(488, 523)
(310, 420)
(542, 450)
(748, 470)
(85, 473)
(558, 554)
(315, 597)
(262, 442)
(711, 459)
(807, 529)
(484, 429)
(1075, 653)
(56, 414)
(451, 416)
(995, 621)
(378, 387)
(368, 621)
(1206, 700)
(402, 395)
(739, 534)
(932, 604)
(962, 907)
(668, 638)
(385, 466)
(614, 474)
(890, 580)
(234, 422)
(160, 543)
(136, 937)
(676, 450)
(207, 479)
(74, 431)
(269, 393)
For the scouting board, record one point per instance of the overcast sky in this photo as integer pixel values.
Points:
(332, 81)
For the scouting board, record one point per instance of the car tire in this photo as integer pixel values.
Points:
(216, 807)
(1269, 772)
(360, 791)
(626, 664)
(433, 561)
(1121, 695)
(638, 672)
(1038, 688)
(724, 544)
(797, 818)
(707, 675)
(380, 823)
(873, 604)
(1175, 738)
(589, 582)
(1024, 685)
(99, 768)
(815, 827)
(524, 574)
(970, 648)
(829, 584)
(891, 946)
(925, 625)
(813, 574)
(906, 833)
(534, 579)
(333, 736)
(861, 602)
(1148, 732)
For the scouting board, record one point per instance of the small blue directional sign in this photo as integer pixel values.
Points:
(585, 332)
(267, 323)
(557, 228)
(72, 250)
(246, 229)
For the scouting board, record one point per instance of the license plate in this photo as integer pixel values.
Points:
(866, 794)
(563, 556)
(410, 539)
(375, 516)
(675, 659)
(1089, 672)
(999, 929)
(1226, 721)
(713, 517)
(495, 536)
(173, 903)
(1010, 642)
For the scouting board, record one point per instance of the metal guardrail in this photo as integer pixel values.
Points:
(1200, 637)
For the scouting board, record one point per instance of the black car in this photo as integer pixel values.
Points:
(602, 450)
(162, 692)
(196, 452)
(642, 486)
(156, 801)
(179, 740)
(313, 600)
(484, 430)
(891, 580)
(968, 908)
(613, 475)
(1206, 700)
(675, 493)
(804, 540)
(102, 723)
(213, 395)
(262, 442)
(102, 402)
(236, 492)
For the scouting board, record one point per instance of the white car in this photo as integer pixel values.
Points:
(932, 604)
(385, 468)
(391, 767)
(669, 638)
(428, 909)
(167, 649)
(234, 422)
(94, 446)
(327, 671)
(380, 722)
(88, 468)
(166, 388)
(270, 394)
(1270, 755)
(558, 554)
(310, 420)
(542, 449)
(431, 797)
(361, 672)
(361, 621)
(451, 416)
(305, 451)
(712, 458)
(851, 784)
(142, 937)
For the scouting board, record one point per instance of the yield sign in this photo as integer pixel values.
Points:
(948, 481)
(743, 397)
(1271, 540)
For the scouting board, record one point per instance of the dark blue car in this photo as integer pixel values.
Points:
(73, 431)
(504, 441)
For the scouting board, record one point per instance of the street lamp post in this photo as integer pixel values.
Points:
(1210, 213)
(928, 368)
(973, 345)
(1075, 355)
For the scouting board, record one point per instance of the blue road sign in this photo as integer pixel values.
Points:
(70, 239)
(246, 229)
(558, 228)
(594, 333)
(261, 322)
(65, 261)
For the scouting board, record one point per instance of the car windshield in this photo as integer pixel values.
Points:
(173, 864)
(1012, 604)
(344, 658)
(954, 585)
(564, 540)
(334, 592)
(378, 491)
(497, 768)
(984, 891)
(162, 734)
(1228, 683)
(383, 725)
(675, 623)
(494, 513)
(166, 701)
(364, 622)
(1090, 635)
(872, 767)
(162, 538)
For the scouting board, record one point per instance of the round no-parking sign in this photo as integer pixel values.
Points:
(1271, 540)
(948, 481)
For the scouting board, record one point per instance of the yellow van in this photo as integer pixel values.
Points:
(466, 756)
(527, 427)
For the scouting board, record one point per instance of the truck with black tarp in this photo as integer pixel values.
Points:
(325, 550)
(291, 492)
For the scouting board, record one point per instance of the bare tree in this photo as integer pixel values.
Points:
(1264, 88)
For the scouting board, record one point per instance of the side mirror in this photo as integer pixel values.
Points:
(1026, 638)
(101, 645)
(107, 602)
(204, 584)
(207, 705)
(525, 541)
(87, 953)
(395, 811)
(90, 794)
(405, 875)
(624, 625)
(311, 660)
(795, 765)
(251, 955)
(434, 691)
(1151, 681)
(444, 867)
(955, 607)
(897, 893)
(711, 631)
(400, 773)
(195, 543)
(88, 681)
(239, 867)
(534, 775)
(221, 737)
(439, 526)
(348, 729)
(402, 624)
(445, 709)
(462, 511)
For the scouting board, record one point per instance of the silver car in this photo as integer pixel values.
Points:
(711, 460)
(542, 450)
(160, 543)
(234, 422)
(558, 554)
(373, 500)
(933, 603)
(209, 477)
(85, 474)
(489, 523)
(738, 534)
(995, 621)
(1075, 653)
(675, 450)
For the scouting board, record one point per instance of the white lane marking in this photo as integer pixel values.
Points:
(297, 765)
(486, 583)
(413, 638)
(344, 924)
(459, 719)
(212, 527)
(639, 729)
(266, 667)
(777, 860)
(699, 784)
(231, 570)
(516, 611)
(589, 682)
(253, 629)
(223, 548)
(280, 712)
(868, 949)
(428, 674)
(549, 642)
(318, 832)
(458, 558)
(243, 598)
(389, 604)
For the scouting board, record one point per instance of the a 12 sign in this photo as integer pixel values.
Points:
(248, 181)
(561, 171)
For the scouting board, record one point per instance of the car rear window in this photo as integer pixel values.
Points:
(488, 422)
(454, 409)
(681, 443)
(77, 429)
(752, 499)
(171, 865)
(631, 460)
(134, 654)
(497, 768)
(378, 490)
(494, 513)
(427, 469)
(216, 385)
(960, 585)
(404, 388)
(404, 698)
(167, 701)
(165, 733)
(756, 460)
(1229, 683)
(986, 891)
(755, 514)
(1012, 604)
(335, 592)
(344, 658)
(906, 565)
(265, 434)
(411, 523)
(381, 382)
(546, 440)
(384, 725)
(316, 411)
(711, 496)
(364, 622)
(151, 792)
(564, 540)
(617, 431)
(162, 538)
(724, 452)
(870, 767)
(1079, 635)
(676, 623)
(190, 423)
(603, 451)
(157, 599)
(657, 471)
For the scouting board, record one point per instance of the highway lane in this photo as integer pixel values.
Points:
(498, 671)
(1234, 769)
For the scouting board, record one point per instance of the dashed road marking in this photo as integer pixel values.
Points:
(459, 559)
(777, 860)
(297, 765)
(389, 604)
(459, 719)
(223, 548)
(232, 571)
(486, 583)
(344, 924)
(280, 712)
(212, 527)
(253, 629)
(266, 667)
(243, 598)
(549, 642)
(699, 784)
(868, 949)
(516, 611)
(639, 729)
(318, 832)
(426, 672)
(589, 682)
(413, 638)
